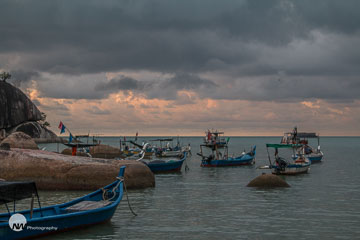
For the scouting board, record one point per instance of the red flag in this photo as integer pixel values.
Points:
(209, 135)
(61, 127)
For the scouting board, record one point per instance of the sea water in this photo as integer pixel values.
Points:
(214, 203)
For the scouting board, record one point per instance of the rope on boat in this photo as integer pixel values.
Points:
(184, 154)
(113, 190)
(127, 197)
(121, 179)
(186, 166)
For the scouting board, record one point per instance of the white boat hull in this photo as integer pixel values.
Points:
(291, 169)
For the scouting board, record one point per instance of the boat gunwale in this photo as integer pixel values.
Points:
(63, 206)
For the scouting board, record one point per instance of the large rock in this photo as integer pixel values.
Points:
(20, 140)
(268, 181)
(98, 151)
(35, 130)
(15, 107)
(53, 171)
(105, 151)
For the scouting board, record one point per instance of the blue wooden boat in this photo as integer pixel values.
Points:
(94, 208)
(165, 165)
(219, 156)
(290, 166)
(315, 155)
(245, 159)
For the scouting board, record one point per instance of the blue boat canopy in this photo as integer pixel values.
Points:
(275, 145)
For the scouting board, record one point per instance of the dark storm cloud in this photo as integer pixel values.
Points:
(301, 88)
(71, 87)
(19, 77)
(155, 88)
(187, 81)
(333, 15)
(122, 83)
(168, 89)
(51, 106)
(247, 42)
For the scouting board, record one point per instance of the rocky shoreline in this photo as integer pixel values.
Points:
(23, 126)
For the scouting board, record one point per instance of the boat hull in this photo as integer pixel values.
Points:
(46, 226)
(160, 166)
(291, 169)
(59, 218)
(239, 161)
(315, 158)
(166, 167)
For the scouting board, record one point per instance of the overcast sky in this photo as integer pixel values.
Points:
(166, 67)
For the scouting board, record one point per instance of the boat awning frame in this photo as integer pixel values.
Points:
(13, 191)
(276, 145)
(306, 135)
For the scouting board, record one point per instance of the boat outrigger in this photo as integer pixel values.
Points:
(290, 166)
(219, 154)
(94, 208)
(302, 138)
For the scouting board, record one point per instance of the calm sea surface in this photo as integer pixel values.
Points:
(214, 203)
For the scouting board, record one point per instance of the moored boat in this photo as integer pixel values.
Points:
(93, 208)
(313, 154)
(168, 149)
(217, 145)
(288, 166)
(165, 165)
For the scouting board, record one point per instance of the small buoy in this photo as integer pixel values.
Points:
(266, 180)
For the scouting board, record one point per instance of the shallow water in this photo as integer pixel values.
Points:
(213, 203)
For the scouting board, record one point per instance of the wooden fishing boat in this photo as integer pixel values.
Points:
(219, 155)
(290, 166)
(165, 165)
(315, 155)
(168, 150)
(94, 208)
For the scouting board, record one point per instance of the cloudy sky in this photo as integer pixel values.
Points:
(170, 67)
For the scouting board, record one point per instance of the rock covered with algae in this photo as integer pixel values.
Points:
(268, 181)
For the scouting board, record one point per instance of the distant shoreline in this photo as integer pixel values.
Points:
(165, 136)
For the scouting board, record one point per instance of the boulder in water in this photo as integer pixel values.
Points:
(268, 181)
(20, 140)
(105, 151)
(98, 151)
(53, 171)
